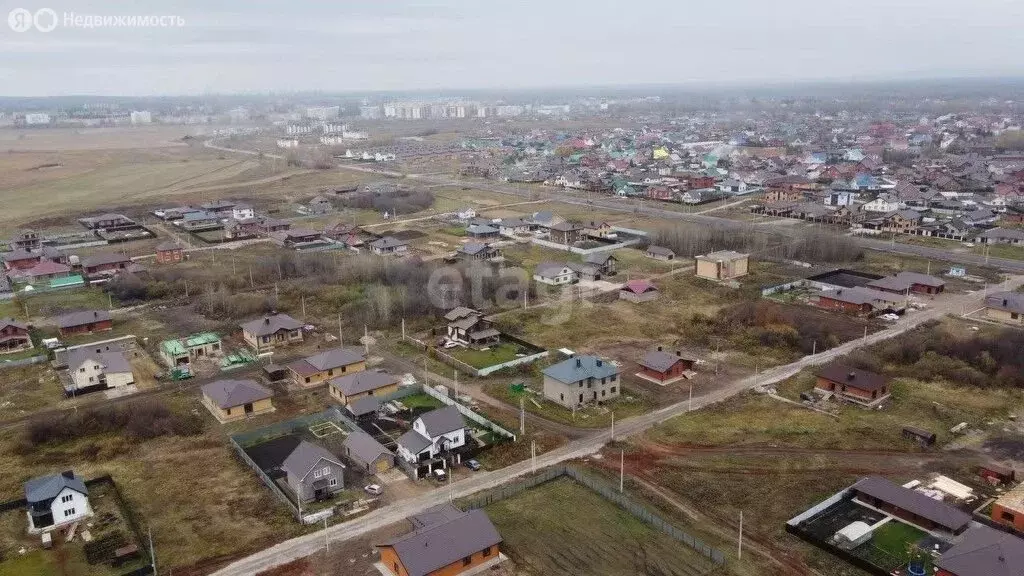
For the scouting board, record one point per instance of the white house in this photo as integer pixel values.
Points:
(554, 274)
(466, 214)
(56, 500)
(89, 368)
(882, 205)
(434, 434)
(242, 212)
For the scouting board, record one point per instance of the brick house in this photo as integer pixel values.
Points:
(272, 330)
(983, 552)
(662, 366)
(317, 369)
(911, 506)
(914, 282)
(445, 541)
(104, 264)
(1005, 307)
(1008, 509)
(21, 260)
(852, 384)
(169, 252)
(84, 322)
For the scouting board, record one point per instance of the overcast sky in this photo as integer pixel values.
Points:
(230, 46)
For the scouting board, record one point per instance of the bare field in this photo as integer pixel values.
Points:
(112, 138)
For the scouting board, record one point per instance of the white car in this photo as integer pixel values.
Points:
(450, 344)
(889, 317)
(374, 489)
(440, 475)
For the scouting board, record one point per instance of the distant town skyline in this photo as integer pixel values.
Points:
(221, 47)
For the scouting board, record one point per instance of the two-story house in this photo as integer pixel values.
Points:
(435, 437)
(14, 336)
(581, 380)
(89, 369)
(56, 500)
(313, 473)
(554, 274)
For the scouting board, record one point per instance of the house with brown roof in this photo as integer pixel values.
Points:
(104, 264)
(665, 367)
(271, 331)
(44, 270)
(906, 282)
(445, 541)
(911, 506)
(318, 368)
(14, 336)
(858, 386)
(21, 259)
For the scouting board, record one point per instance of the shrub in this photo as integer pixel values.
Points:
(141, 420)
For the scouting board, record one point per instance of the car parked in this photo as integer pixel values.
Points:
(472, 465)
(440, 475)
(374, 489)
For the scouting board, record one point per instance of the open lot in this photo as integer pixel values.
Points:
(562, 527)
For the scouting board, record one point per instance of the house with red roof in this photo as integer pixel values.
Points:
(638, 291)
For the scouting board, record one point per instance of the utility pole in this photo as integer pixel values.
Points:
(522, 415)
(152, 552)
(251, 283)
(689, 403)
(814, 348)
(533, 456)
(403, 329)
(613, 425)
(327, 541)
(456, 384)
(186, 288)
(366, 339)
(739, 541)
(865, 333)
(302, 299)
(341, 341)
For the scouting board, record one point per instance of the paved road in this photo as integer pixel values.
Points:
(306, 545)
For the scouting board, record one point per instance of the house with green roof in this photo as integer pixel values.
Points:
(179, 352)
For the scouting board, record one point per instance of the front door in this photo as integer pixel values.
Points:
(248, 408)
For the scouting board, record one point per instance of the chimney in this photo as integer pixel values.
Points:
(266, 320)
(679, 353)
(95, 313)
(851, 376)
(69, 474)
(659, 348)
(599, 363)
(579, 363)
(1005, 302)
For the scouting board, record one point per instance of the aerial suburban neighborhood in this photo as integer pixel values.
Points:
(329, 317)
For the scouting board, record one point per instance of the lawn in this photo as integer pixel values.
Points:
(422, 401)
(895, 540)
(498, 354)
(58, 302)
(564, 528)
(1007, 251)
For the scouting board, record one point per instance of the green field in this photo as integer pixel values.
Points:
(497, 354)
(563, 528)
(591, 416)
(894, 541)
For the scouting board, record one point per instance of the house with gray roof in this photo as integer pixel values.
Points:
(318, 368)
(554, 274)
(56, 500)
(367, 454)
(661, 253)
(911, 506)
(481, 231)
(353, 387)
(91, 370)
(230, 400)
(271, 331)
(477, 251)
(663, 367)
(436, 434)
(984, 551)
(389, 245)
(313, 473)
(1005, 307)
(444, 540)
(581, 380)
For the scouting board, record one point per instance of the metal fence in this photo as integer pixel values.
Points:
(267, 480)
(23, 362)
(607, 492)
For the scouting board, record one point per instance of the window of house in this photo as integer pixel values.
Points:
(467, 560)
(581, 398)
(602, 393)
(317, 473)
(613, 389)
(91, 379)
(69, 512)
(1006, 516)
(561, 397)
(330, 372)
(614, 376)
(66, 498)
(326, 470)
(307, 379)
(333, 482)
(486, 552)
(82, 369)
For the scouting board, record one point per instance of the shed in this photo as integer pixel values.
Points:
(922, 436)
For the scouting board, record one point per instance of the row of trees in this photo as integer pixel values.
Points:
(805, 245)
(400, 201)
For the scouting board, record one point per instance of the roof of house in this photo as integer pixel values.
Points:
(661, 361)
(327, 360)
(660, 250)
(271, 324)
(111, 362)
(20, 254)
(413, 441)
(453, 537)
(580, 368)
(305, 456)
(639, 286)
(104, 259)
(598, 258)
(365, 405)
(43, 268)
(460, 312)
(473, 248)
(984, 551)
(362, 381)
(922, 279)
(723, 256)
(5, 322)
(388, 242)
(48, 487)
(1006, 233)
(1008, 301)
(549, 269)
(80, 318)
(230, 393)
(914, 502)
(442, 421)
(861, 379)
(481, 229)
(364, 447)
(168, 246)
